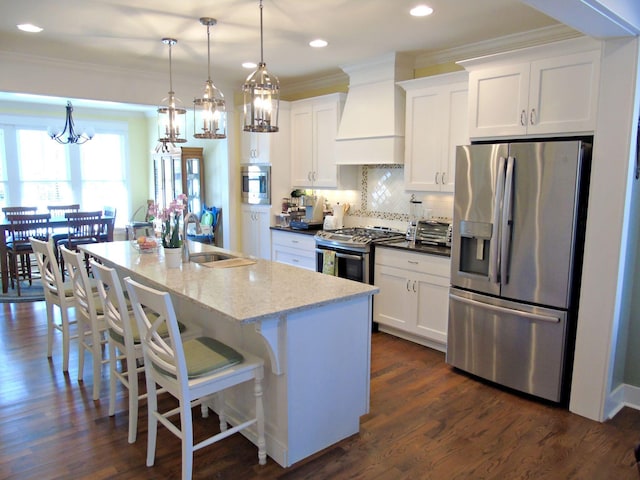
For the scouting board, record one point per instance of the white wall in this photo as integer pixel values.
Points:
(604, 296)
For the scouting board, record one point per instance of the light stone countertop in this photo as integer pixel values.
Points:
(246, 293)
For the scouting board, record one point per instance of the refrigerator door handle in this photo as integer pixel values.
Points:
(505, 224)
(494, 244)
(497, 308)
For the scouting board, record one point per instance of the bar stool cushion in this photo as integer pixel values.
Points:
(205, 355)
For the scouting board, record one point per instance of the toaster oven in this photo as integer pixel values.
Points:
(435, 231)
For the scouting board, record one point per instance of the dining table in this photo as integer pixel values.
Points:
(54, 223)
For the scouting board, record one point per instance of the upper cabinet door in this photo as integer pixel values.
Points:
(325, 127)
(564, 93)
(314, 126)
(553, 92)
(301, 144)
(256, 147)
(423, 143)
(436, 122)
(498, 101)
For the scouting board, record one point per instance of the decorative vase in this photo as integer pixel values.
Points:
(173, 257)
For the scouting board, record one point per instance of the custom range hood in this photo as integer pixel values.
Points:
(371, 129)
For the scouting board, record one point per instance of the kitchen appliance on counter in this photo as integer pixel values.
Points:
(435, 231)
(516, 261)
(353, 249)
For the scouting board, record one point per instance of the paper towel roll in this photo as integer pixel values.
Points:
(338, 215)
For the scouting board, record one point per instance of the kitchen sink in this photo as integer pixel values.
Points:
(208, 257)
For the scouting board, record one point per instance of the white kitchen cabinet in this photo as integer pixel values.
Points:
(297, 249)
(436, 122)
(314, 125)
(256, 238)
(413, 302)
(255, 147)
(550, 95)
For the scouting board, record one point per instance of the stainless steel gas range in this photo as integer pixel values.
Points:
(353, 249)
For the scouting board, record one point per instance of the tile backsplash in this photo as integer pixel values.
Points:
(383, 200)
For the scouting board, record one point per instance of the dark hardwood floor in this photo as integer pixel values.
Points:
(426, 422)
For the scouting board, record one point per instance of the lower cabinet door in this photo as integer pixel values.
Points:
(396, 303)
(433, 307)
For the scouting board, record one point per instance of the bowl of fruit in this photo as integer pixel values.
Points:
(145, 244)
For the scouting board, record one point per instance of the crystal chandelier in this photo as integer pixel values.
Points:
(261, 96)
(209, 114)
(172, 116)
(68, 133)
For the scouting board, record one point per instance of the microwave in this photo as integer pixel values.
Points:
(256, 184)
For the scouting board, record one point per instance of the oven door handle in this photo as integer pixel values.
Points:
(340, 255)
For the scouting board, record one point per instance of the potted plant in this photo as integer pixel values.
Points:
(169, 219)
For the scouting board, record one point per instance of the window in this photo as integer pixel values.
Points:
(91, 174)
(3, 176)
(43, 170)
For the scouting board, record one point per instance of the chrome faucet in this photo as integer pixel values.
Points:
(189, 217)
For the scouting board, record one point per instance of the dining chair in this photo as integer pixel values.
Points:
(60, 210)
(18, 210)
(82, 228)
(106, 232)
(56, 293)
(192, 371)
(89, 315)
(19, 250)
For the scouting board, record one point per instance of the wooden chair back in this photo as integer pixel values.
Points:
(83, 228)
(60, 210)
(24, 226)
(18, 210)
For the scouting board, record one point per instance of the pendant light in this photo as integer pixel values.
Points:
(172, 116)
(209, 113)
(261, 97)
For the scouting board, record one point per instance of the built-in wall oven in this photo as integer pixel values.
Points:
(256, 184)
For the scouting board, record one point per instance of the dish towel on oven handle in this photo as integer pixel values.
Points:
(329, 262)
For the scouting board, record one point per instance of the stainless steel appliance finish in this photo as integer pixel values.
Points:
(353, 248)
(432, 232)
(516, 253)
(256, 184)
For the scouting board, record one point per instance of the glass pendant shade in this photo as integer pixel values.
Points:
(261, 101)
(209, 111)
(172, 116)
(209, 114)
(261, 97)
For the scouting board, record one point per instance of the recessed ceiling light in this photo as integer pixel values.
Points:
(421, 11)
(249, 65)
(318, 43)
(28, 27)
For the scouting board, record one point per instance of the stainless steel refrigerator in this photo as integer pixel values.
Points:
(516, 256)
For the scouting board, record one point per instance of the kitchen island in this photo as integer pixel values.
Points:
(312, 330)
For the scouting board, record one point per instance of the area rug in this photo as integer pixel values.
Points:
(28, 293)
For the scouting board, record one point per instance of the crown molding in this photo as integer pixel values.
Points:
(506, 43)
(322, 82)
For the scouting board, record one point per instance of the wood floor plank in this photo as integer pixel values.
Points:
(427, 421)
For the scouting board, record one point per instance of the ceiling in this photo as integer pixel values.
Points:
(127, 33)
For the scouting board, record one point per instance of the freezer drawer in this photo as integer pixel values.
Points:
(512, 344)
